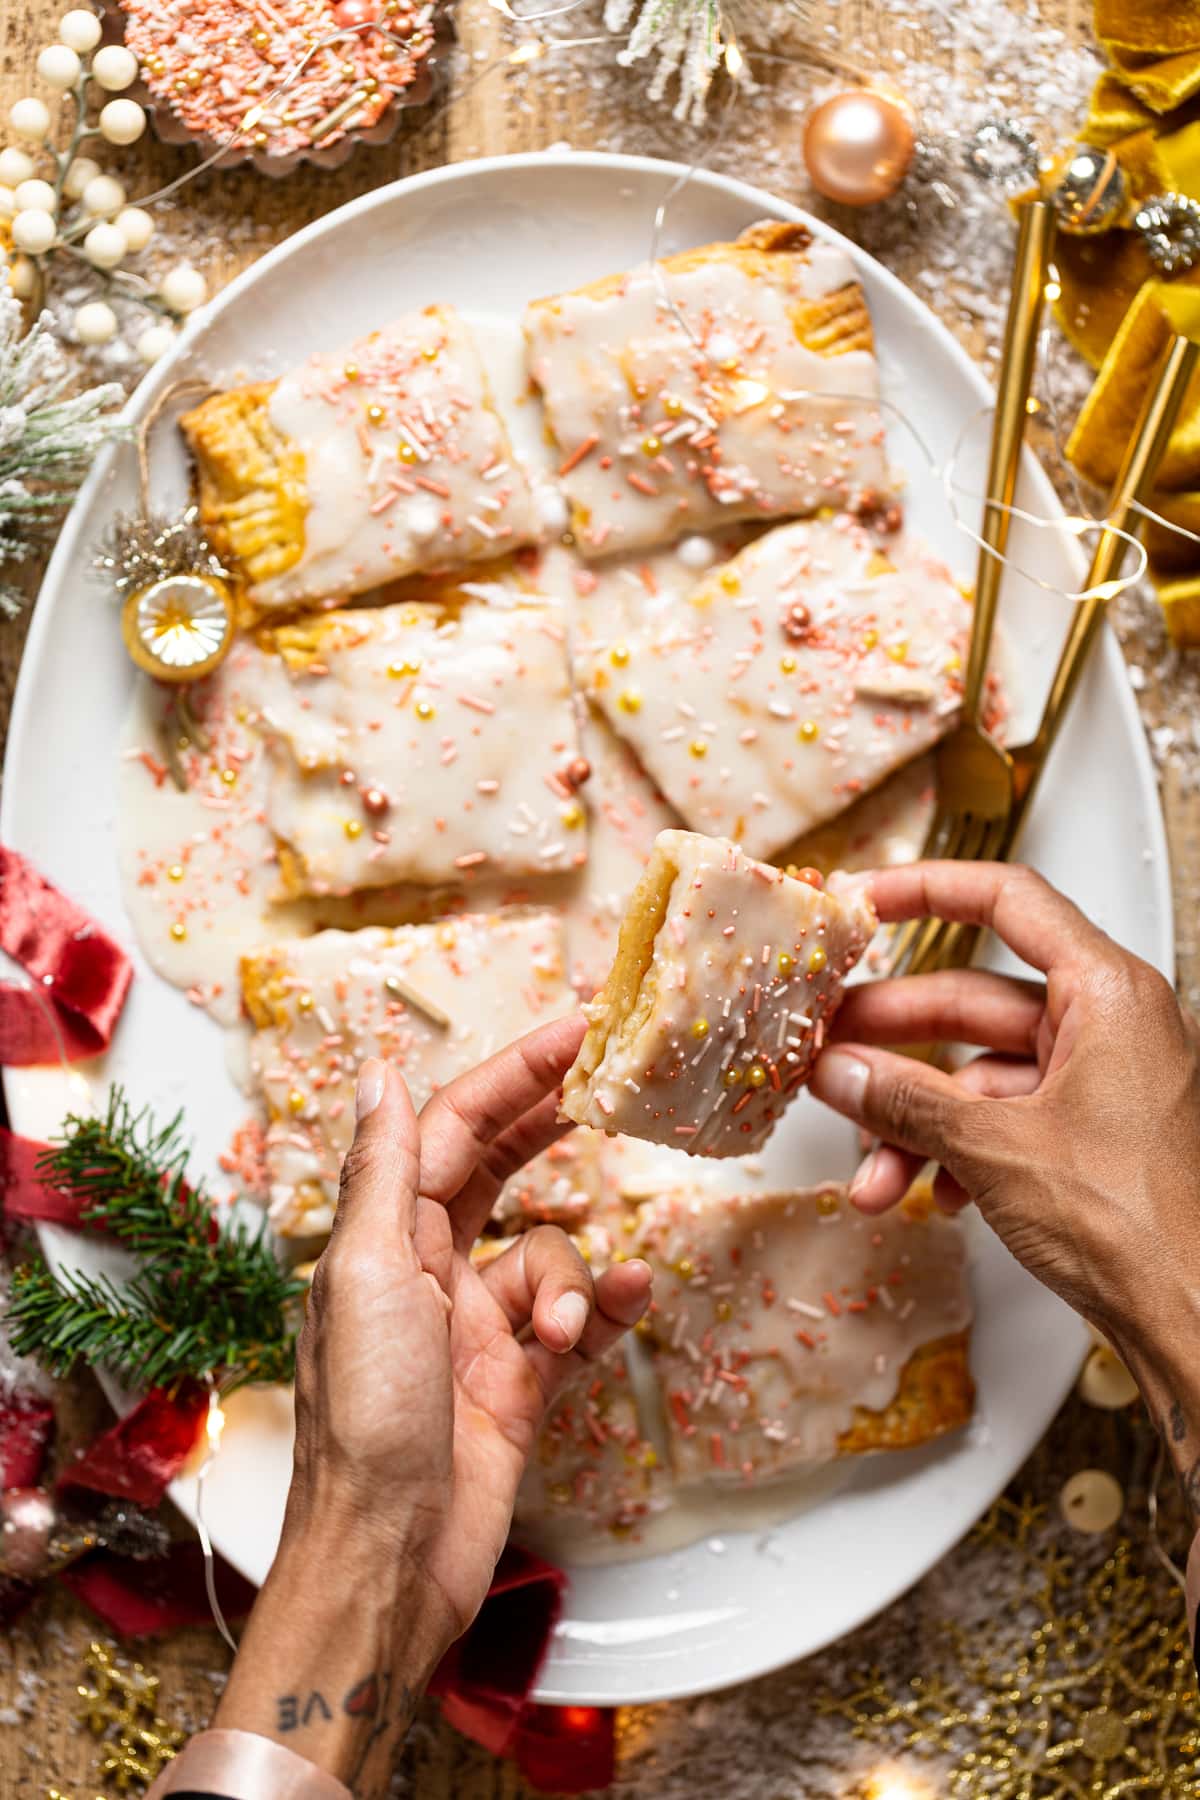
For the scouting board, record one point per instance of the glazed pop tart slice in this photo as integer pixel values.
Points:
(420, 743)
(434, 1000)
(788, 1330)
(726, 977)
(767, 697)
(734, 381)
(363, 465)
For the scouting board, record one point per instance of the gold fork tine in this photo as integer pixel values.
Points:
(960, 753)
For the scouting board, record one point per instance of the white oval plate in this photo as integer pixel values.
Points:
(501, 232)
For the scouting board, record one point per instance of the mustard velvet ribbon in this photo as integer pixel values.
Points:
(1113, 308)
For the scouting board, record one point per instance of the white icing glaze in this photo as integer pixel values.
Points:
(745, 974)
(775, 1315)
(492, 977)
(416, 746)
(415, 390)
(770, 695)
(672, 418)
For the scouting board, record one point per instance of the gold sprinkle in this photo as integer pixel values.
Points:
(651, 446)
(699, 1028)
(756, 1076)
(899, 651)
(685, 1268)
(352, 828)
(351, 371)
(809, 731)
(879, 564)
(672, 406)
(698, 748)
(787, 665)
(952, 665)
(649, 1457)
(447, 937)
(618, 656)
(786, 961)
(572, 815)
(405, 451)
(296, 1101)
(630, 701)
(724, 1310)
(260, 39)
(425, 709)
(817, 960)
(731, 1078)
(429, 352)
(827, 1205)
(304, 1003)
(375, 414)
(398, 670)
(730, 581)
(179, 931)
(175, 872)
(870, 639)
(229, 777)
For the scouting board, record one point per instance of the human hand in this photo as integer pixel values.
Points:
(1077, 1133)
(420, 1386)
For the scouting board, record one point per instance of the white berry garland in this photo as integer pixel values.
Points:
(60, 204)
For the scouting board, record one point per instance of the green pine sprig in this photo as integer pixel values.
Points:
(202, 1301)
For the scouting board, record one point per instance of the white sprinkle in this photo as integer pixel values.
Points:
(802, 1306)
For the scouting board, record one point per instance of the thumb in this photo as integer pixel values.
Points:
(382, 1166)
(902, 1101)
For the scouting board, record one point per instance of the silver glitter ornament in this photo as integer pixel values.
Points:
(1088, 191)
(1003, 151)
(141, 548)
(1169, 226)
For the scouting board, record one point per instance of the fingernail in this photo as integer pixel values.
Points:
(369, 1091)
(863, 1174)
(842, 1081)
(570, 1311)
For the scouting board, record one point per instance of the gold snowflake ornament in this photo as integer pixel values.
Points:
(119, 1706)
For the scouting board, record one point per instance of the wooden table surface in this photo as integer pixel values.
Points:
(222, 222)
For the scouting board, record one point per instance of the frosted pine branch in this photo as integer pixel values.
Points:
(684, 36)
(48, 438)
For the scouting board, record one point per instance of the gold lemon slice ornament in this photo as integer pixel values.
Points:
(180, 627)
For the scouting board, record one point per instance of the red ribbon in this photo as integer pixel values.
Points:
(24, 1194)
(82, 973)
(484, 1681)
(137, 1457)
(26, 1434)
(141, 1599)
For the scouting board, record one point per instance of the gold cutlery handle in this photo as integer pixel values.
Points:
(1139, 466)
(1034, 237)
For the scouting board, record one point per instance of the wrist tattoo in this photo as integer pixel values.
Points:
(370, 1700)
(1174, 1430)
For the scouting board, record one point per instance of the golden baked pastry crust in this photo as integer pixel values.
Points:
(251, 482)
(936, 1394)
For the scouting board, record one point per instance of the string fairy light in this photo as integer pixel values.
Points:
(214, 1426)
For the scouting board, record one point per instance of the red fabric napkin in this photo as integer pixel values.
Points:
(83, 974)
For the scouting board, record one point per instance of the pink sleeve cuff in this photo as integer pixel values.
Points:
(1192, 1590)
(240, 1765)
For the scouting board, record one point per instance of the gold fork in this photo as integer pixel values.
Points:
(952, 946)
(974, 775)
